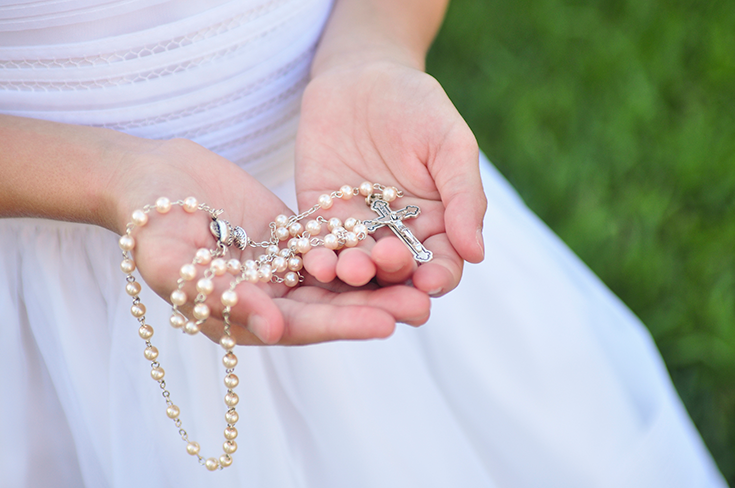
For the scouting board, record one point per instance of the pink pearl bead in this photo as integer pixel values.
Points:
(178, 297)
(177, 320)
(139, 218)
(127, 243)
(313, 227)
(366, 188)
(346, 191)
(188, 272)
(333, 223)
(163, 205)
(205, 286)
(281, 221)
(265, 273)
(229, 298)
(233, 266)
(331, 241)
(201, 311)
(325, 201)
(145, 331)
(132, 288)
(282, 233)
(351, 239)
(150, 353)
(203, 256)
(295, 263)
(219, 266)
(303, 245)
(191, 328)
(251, 275)
(390, 193)
(291, 279)
(295, 229)
(360, 229)
(350, 223)
(190, 204)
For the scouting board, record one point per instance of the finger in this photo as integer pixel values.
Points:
(457, 175)
(405, 304)
(443, 272)
(395, 263)
(321, 263)
(355, 267)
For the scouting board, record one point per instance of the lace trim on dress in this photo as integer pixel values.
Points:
(302, 60)
(138, 52)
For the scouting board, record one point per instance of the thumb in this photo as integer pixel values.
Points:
(456, 172)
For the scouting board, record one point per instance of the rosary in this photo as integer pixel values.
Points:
(276, 265)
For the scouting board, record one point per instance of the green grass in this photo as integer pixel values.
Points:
(615, 120)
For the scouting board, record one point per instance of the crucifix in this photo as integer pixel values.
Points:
(394, 221)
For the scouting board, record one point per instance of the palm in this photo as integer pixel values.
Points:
(392, 125)
(266, 312)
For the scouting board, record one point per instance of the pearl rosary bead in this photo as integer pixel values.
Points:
(229, 298)
(139, 218)
(163, 205)
(275, 264)
(190, 204)
(188, 272)
(325, 201)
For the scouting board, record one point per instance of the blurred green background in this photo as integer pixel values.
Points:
(615, 120)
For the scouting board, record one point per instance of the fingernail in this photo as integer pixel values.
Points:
(258, 326)
(436, 292)
(481, 241)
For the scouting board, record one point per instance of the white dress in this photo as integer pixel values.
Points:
(530, 374)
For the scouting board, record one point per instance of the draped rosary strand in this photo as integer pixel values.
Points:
(274, 265)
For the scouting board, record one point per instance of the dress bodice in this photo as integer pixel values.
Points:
(226, 74)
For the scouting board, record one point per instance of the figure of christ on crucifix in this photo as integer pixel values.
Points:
(394, 220)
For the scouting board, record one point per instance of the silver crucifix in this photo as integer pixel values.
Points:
(394, 220)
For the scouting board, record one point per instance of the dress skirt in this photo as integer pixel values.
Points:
(531, 373)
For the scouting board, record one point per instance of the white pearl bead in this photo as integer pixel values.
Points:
(273, 249)
(188, 272)
(366, 188)
(331, 241)
(234, 266)
(225, 460)
(333, 223)
(303, 245)
(313, 227)
(360, 229)
(265, 273)
(227, 342)
(262, 258)
(211, 464)
(219, 266)
(229, 447)
(325, 201)
(231, 417)
(193, 448)
(132, 288)
(351, 239)
(137, 310)
(281, 221)
(230, 433)
(229, 360)
(338, 231)
(279, 264)
(203, 256)
(172, 411)
(231, 381)
(251, 275)
(346, 192)
(250, 264)
(177, 320)
(190, 204)
(163, 205)
(282, 233)
(191, 328)
(229, 298)
(285, 253)
(145, 332)
(231, 399)
(178, 297)
(390, 193)
(295, 263)
(157, 373)
(295, 229)
(127, 243)
(292, 243)
(291, 279)
(350, 223)
(201, 311)
(205, 286)
(139, 218)
(150, 353)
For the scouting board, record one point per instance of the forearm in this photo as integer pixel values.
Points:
(59, 171)
(376, 30)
